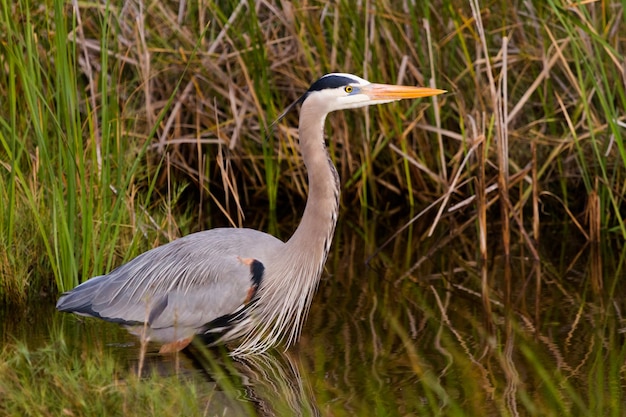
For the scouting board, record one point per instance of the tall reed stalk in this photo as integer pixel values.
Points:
(110, 109)
(68, 171)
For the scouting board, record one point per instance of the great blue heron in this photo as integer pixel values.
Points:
(239, 284)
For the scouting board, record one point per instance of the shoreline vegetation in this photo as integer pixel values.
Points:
(124, 125)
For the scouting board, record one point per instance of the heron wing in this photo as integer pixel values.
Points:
(186, 283)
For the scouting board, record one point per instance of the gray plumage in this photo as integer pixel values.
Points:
(171, 278)
(239, 284)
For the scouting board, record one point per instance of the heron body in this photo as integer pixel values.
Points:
(239, 284)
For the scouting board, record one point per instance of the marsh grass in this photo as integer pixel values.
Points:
(53, 380)
(125, 125)
(116, 107)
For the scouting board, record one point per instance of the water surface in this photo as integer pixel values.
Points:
(418, 328)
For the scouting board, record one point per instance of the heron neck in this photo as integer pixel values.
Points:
(292, 276)
(311, 240)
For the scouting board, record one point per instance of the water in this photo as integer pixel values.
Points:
(419, 330)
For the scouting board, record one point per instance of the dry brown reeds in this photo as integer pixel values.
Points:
(186, 93)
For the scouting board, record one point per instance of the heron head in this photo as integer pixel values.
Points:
(338, 91)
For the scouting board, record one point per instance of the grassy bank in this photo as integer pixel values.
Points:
(53, 381)
(125, 125)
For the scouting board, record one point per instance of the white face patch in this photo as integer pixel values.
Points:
(340, 91)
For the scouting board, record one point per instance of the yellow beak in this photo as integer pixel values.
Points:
(398, 92)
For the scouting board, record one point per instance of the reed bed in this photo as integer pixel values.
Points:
(125, 125)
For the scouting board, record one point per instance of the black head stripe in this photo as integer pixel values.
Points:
(327, 81)
(331, 81)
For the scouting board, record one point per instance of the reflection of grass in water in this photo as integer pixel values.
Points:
(425, 344)
(415, 346)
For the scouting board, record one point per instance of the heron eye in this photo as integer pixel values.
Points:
(348, 89)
